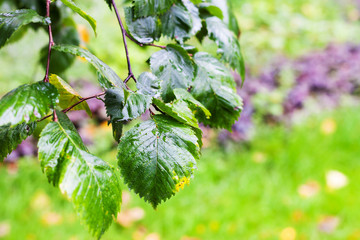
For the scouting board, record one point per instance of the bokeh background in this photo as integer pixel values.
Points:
(290, 169)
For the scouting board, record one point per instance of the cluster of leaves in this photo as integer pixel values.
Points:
(185, 87)
(288, 91)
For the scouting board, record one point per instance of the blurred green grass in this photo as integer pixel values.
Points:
(233, 194)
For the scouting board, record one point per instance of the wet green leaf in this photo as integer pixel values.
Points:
(184, 95)
(27, 103)
(10, 22)
(144, 30)
(89, 182)
(158, 157)
(229, 46)
(148, 84)
(145, 8)
(11, 137)
(108, 78)
(174, 67)
(214, 87)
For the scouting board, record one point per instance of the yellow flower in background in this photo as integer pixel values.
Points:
(328, 126)
(83, 33)
(288, 233)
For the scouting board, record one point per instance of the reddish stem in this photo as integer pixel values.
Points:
(51, 41)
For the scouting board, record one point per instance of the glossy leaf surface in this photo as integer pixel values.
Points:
(27, 103)
(144, 30)
(148, 84)
(11, 137)
(174, 67)
(12, 21)
(229, 46)
(158, 157)
(89, 182)
(68, 96)
(182, 94)
(122, 105)
(145, 8)
(214, 87)
(108, 78)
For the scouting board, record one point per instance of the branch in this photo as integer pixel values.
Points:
(74, 105)
(51, 41)
(123, 31)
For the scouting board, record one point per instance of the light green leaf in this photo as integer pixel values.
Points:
(213, 10)
(117, 128)
(122, 105)
(145, 8)
(148, 84)
(27, 103)
(229, 46)
(214, 87)
(178, 110)
(158, 157)
(174, 67)
(107, 77)
(89, 182)
(182, 94)
(68, 96)
(83, 14)
(12, 21)
(144, 30)
(11, 137)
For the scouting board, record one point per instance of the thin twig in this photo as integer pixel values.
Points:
(123, 31)
(72, 106)
(51, 41)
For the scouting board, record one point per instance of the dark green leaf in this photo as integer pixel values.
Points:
(27, 103)
(68, 96)
(207, 9)
(145, 8)
(12, 21)
(83, 14)
(174, 67)
(148, 84)
(117, 128)
(11, 137)
(178, 110)
(177, 23)
(214, 87)
(229, 46)
(122, 105)
(109, 3)
(89, 182)
(108, 77)
(144, 30)
(158, 157)
(184, 95)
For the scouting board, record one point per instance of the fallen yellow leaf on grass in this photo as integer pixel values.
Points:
(328, 126)
(288, 233)
(309, 189)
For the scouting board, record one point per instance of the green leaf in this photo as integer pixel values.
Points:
(145, 8)
(12, 21)
(109, 3)
(122, 105)
(158, 157)
(68, 96)
(83, 14)
(107, 77)
(214, 87)
(11, 137)
(27, 103)
(229, 46)
(174, 67)
(89, 182)
(187, 97)
(117, 128)
(178, 110)
(195, 18)
(144, 30)
(177, 23)
(148, 84)
(211, 9)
